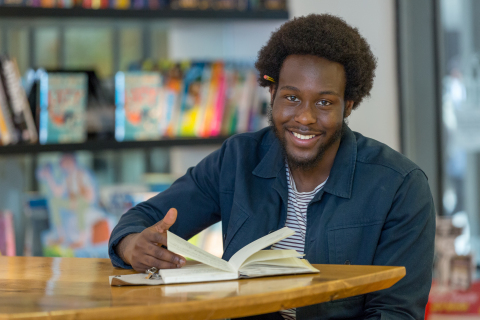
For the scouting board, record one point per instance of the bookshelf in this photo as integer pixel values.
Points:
(99, 145)
(35, 12)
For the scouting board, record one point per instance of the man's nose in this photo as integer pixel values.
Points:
(305, 114)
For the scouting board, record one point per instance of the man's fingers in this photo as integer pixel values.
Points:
(165, 255)
(152, 236)
(165, 224)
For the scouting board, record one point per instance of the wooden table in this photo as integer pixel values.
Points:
(78, 288)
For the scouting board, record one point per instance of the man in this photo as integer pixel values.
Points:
(350, 199)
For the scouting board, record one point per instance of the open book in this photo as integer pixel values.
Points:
(250, 261)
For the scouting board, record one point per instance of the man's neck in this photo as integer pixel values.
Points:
(308, 179)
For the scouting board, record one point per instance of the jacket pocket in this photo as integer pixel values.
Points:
(354, 243)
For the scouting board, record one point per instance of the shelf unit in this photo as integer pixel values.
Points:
(18, 12)
(99, 145)
(36, 12)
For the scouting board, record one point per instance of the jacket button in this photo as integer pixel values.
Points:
(224, 236)
(347, 261)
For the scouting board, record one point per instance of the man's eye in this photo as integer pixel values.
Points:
(292, 98)
(324, 103)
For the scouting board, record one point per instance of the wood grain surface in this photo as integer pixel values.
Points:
(78, 288)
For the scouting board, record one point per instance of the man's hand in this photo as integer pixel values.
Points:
(143, 250)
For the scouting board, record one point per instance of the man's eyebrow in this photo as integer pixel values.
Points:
(290, 88)
(321, 92)
(329, 92)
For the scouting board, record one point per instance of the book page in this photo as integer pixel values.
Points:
(252, 271)
(284, 263)
(195, 273)
(182, 247)
(238, 258)
(265, 255)
(134, 280)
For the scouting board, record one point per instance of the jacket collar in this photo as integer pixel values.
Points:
(340, 181)
(273, 162)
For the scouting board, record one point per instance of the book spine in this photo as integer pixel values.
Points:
(17, 100)
(120, 106)
(43, 107)
(207, 78)
(7, 129)
(190, 100)
(7, 234)
(219, 103)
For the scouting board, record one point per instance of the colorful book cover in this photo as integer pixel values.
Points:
(121, 4)
(173, 75)
(7, 234)
(17, 100)
(65, 3)
(63, 103)
(139, 4)
(138, 100)
(48, 3)
(191, 98)
(207, 99)
(88, 4)
(219, 107)
(206, 117)
(274, 4)
(78, 227)
(184, 4)
(14, 2)
(235, 98)
(231, 100)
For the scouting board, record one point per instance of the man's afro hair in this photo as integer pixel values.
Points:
(324, 36)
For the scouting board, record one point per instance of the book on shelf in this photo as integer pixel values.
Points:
(240, 5)
(209, 121)
(172, 74)
(249, 262)
(62, 107)
(194, 95)
(7, 234)
(138, 101)
(8, 134)
(17, 102)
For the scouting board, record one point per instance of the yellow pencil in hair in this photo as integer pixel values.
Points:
(268, 78)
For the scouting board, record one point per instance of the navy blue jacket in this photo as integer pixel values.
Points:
(375, 209)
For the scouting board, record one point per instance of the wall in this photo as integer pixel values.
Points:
(378, 116)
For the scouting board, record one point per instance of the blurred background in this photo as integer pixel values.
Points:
(104, 103)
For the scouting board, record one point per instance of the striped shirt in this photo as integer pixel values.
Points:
(297, 221)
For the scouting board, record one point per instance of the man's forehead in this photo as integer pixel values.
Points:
(300, 70)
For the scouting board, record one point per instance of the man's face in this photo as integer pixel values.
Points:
(308, 108)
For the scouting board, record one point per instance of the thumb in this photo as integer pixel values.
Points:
(163, 225)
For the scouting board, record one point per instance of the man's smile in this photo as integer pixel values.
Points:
(303, 139)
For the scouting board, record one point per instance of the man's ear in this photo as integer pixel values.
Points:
(348, 108)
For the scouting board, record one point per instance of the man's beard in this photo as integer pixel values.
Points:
(306, 164)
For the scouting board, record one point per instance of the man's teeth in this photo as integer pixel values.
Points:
(301, 136)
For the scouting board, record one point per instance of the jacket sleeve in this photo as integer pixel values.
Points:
(195, 196)
(407, 239)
